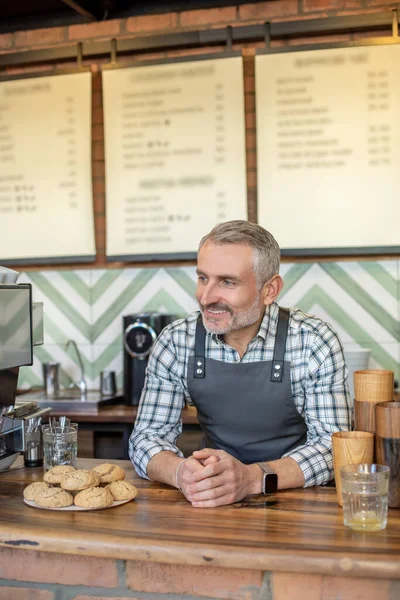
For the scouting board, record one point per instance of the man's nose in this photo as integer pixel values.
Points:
(208, 294)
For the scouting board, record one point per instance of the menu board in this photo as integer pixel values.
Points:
(175, 155)
(46, 208)
(328, 130)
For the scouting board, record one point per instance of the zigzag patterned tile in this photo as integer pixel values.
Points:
(361, 300)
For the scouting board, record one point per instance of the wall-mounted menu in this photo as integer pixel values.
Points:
(46, 208)
(175, 154)
(328, 130)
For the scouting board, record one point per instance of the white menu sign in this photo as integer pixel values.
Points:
(46, 208)
(328, 130)
(175, 154)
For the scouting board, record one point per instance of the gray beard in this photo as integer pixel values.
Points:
(239, 321)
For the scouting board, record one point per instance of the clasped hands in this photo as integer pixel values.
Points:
(212, 478)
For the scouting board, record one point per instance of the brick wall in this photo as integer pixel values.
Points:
(278, 10)
(31, 575)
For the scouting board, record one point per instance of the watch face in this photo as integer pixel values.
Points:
(270, 483)
(139, 338)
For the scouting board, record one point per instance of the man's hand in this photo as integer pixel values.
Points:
(222, 480)
(186, 472)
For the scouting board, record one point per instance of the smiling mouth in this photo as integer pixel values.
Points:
(216, 310)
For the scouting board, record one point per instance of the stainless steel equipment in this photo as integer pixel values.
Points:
(51, 378)
(21, 328)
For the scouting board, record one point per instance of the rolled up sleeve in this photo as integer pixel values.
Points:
(327, 407)
(158, 423)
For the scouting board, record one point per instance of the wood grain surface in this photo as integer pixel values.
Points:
(117, 414)
(374, 385)
(387, 419)
(350, 448)
(294, 530)
(364, 416)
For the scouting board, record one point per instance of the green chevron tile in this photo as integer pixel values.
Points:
(183, 280)
(362, 297)
(77, 284)
(62, 304)
(102, 285)
(43, 355)
(119, 303)
(294, 274)
(163, 299)
(54, 332)
(380, 275)
(28, 378)
(316, 295)
(106, 357)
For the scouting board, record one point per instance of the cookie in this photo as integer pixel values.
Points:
(34, 488)
(94, 497)
(53, 497)
(109, 472)
(55, 474)
(80, 479)
(122, 490)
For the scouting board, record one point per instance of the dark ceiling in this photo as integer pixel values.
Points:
(27, 14)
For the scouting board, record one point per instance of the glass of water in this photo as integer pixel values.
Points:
(365, 496)
(60, 445)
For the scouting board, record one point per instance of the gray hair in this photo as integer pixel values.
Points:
(266, 251)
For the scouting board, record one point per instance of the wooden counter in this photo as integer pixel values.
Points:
(295, 536)
(106, 433)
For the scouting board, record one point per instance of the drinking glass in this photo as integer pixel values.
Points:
(365, 496)
(60, 445)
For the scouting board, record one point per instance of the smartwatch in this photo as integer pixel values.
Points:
(269, 483)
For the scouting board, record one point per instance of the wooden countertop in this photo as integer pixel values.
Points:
(294, 530)
(118, 414)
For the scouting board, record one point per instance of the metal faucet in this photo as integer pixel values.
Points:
(82, 383)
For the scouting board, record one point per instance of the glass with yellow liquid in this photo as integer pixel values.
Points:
(365, 496)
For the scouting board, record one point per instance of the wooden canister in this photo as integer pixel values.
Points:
(387, 445)
(374, 385)
(350, 448)
(364, 415)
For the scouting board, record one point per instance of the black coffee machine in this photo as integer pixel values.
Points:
(140, 331)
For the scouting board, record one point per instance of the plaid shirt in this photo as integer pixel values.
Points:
(318, 380)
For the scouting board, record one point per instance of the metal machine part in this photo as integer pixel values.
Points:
(16, 350)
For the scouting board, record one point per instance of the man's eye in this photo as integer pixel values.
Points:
(228, 283)
(202, 278)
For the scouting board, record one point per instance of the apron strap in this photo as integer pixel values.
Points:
(199, 365)
(280, 346)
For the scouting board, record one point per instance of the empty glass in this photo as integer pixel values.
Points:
(60, 445)
(365, 496)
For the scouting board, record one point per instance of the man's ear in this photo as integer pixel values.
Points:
(271, 289)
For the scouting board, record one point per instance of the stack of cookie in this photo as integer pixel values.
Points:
(66, 486)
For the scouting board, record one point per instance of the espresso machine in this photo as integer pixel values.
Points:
(21, 328)
(140, 331)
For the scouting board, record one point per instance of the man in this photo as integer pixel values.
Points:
(269, 384)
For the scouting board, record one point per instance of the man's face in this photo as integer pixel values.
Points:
(227, 288)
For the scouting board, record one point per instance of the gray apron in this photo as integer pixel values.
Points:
(246, 409)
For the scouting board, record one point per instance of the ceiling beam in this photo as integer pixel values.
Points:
(80, 9)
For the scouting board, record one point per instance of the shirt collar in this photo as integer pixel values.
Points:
(270, 321)
(267, 327)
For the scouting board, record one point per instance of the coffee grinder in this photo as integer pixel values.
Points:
(140, 331)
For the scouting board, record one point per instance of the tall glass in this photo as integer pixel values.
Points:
(365, 496)
(60, 445)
